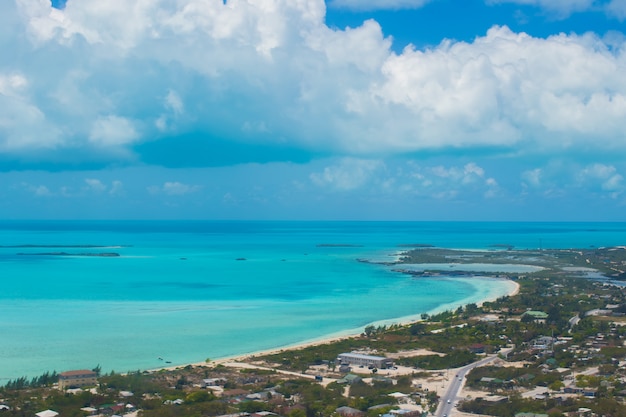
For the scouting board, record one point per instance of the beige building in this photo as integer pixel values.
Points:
(75, 379)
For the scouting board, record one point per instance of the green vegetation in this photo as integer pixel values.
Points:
(569, 350)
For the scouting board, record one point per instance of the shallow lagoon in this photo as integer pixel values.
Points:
(185, 291)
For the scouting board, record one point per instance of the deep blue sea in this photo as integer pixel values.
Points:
(184, 291)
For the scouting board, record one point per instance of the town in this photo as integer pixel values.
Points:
(555, 348)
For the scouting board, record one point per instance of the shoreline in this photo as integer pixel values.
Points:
(347, 334)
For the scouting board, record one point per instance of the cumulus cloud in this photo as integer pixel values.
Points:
(95, 185)
(604, 176)
(348, 174)
(155, 78)
(117, 188)
(174, 188)
(174, 102)
(617, 9)
(596, 179)
(362, 5)
(37, 190)
(446, 182)
(509, 89)
(112, 131)
(561, 8)
(468, 174)
(564, 8)
(532, 178)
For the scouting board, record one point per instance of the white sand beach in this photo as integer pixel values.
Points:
(239, 360)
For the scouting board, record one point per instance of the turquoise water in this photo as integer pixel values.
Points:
(184, 291)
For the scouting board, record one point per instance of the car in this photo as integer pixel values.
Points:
(448, 401)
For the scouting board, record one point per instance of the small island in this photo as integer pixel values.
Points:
(87, 254)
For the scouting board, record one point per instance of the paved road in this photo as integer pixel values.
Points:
(449, 398)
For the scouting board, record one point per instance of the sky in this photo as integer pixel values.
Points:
(428, 110)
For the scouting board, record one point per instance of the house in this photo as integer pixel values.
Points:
(383, 380)
(90, 411)
(543, 342)
(76, 379)
(572, 390)
(349, 379)
(213, 382)
(590, 392)
(349, 412)
(47, 413)
(495, 398)
(584, 412)
(405, 413)
(177, 401)
(378, 407)
(261, 396)
(263, 414)
(400, 397)
(538, 316)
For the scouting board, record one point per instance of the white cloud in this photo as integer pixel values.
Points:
(174, 102)
(604, 176)
(617, 9)
(95, 185)
(112, 131)
(348, 174)
(566, 177)
(174, 188)
(174, 107)
(452, 182)
(271, 72)
(562, 8)
(117, 188)
(508, 89)
(532, 177)
(12, 84)
(361, 5)
(39, 190)
(22, 123)
(468, 174)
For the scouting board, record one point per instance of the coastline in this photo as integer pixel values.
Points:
(347, 334)
(125, 313)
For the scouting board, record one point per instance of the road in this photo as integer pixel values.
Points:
(448, 399)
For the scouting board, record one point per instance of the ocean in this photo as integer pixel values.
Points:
(177, 292)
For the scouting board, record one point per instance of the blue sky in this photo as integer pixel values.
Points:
(301, 109)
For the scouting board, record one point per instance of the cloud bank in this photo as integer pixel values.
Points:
(364, 5)
(129, 82)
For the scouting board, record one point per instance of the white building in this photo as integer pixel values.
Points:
(360, 359)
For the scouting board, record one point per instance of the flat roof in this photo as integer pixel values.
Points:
(78, 372)
(362, 356)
